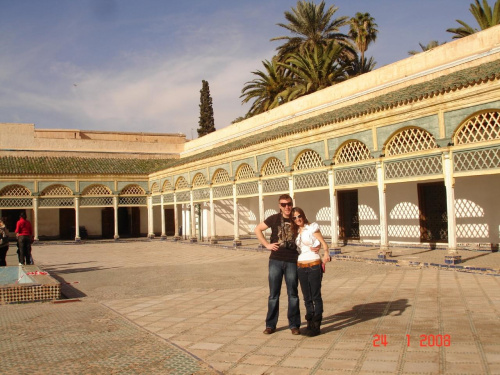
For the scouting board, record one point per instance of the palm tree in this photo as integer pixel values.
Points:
(432, 44)
(313, 70)
(363, 31)
(484, 15)
(311, 25)
(355, 67)
(264, 90)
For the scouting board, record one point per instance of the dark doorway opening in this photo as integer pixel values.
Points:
(67, 223)
(169, 221)
(348, 214)
(433, 212)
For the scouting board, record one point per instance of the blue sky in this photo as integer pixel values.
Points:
(137, 66)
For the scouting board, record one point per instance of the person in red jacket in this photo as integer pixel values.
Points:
(24, 234)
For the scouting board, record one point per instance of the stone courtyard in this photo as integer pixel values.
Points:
(137, 307)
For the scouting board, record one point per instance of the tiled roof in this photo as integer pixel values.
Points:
(10, 165)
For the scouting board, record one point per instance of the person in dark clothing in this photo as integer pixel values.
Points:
(24, 233)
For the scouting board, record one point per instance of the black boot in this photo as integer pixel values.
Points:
(315, 325)
(309, 324)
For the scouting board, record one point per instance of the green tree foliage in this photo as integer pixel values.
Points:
(432, 44)
(311, 25)
(316, 55)
(313, 70)
(265, 89)
(363, 31)
(206, 122)
(484, 15)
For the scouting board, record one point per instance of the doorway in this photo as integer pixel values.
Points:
(433, 212)
(67, 224)
(348, 214)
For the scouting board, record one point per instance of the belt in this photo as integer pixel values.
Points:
(305, 265)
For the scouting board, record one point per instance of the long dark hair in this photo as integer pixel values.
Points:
(295, 227)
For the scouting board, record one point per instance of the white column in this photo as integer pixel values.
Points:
(35, 219)
(333, 209)
(77, 219)
(149, 200)
(449, 183)
(261, 201)
(115, 213)
(205, 207)
(193, 219)
(236, 241)
(187, 222)
(176, 219)
(290, 187)
(213, 235)
(162, 208)
(384, 242)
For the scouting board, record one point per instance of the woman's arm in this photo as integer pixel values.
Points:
(326, 255)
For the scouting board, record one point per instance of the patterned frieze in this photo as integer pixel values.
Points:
(42, 185)
(318, 147)
(85, 184)
(264, 158)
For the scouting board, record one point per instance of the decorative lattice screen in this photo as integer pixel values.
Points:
(223, 191)
(132, 201)
(199, 180)
(156, 200)
(132, 190)
(56, 202)
(245, 172)
(96, 201)
(432, 165)
(183, 196)
(167, 186)
(181, 184)
(201, 194)
(358, 175)
(307, 160)
(487, 158)
(272, 167)
(276, 185)
(221, 176)
(155, 188)
(410, 140)
(168, 198)
(96, 190)
(16, 202)
(56, 191)
(352, 152)
(249, 188)
(15, 191)
(482, 127)
(310, 180)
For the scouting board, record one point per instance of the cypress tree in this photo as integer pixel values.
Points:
(206, 122)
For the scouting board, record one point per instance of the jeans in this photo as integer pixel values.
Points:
(310, 284)
(277, 270)
(24, 249)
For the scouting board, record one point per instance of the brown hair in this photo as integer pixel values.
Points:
(295, 227)
(285, 196)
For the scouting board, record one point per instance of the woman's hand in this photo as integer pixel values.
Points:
(327, 258)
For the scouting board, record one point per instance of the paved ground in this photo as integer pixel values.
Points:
(165, 307)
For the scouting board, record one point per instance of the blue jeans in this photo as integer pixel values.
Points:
(277, 270)
(310, 284)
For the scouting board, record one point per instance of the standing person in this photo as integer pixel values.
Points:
(309, 267)
(24, 233)
(282, 264)
(4, 243)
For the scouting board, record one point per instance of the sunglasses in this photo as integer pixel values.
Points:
(299, 216)
(289, 204)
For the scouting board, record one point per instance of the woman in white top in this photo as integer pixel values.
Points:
(309, 267)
